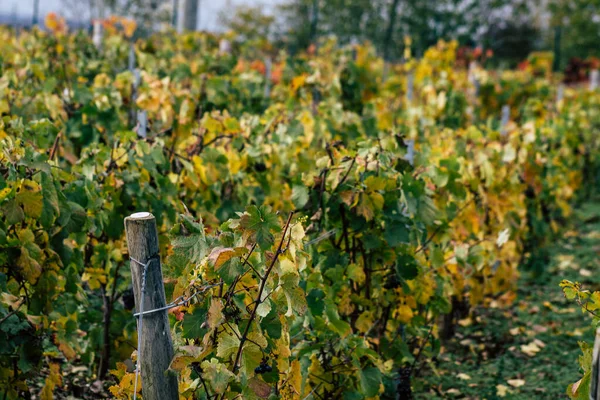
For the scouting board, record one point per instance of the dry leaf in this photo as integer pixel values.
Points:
(516, 382)
(530, 349)
(539, 343)
(575, 387)
(501, 390)
(585, 272)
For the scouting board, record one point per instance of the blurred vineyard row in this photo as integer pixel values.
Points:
(413, 200)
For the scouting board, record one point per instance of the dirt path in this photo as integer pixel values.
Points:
(529, 350)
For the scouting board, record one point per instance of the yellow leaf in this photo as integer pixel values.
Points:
(501, 390)
(53, 380)
(220, 255)
(364, 321)
(95, 277)
(404, 314)
(293, 385)
(356, 273)
(298, 81)
(215, 314)
(30, 198)
(129, 26)
(530, 349)
(516, 382)
(30, 267)
(67, 350)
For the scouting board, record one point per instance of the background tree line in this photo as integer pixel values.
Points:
(510, 28)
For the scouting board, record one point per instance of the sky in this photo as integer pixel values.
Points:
(208, 15)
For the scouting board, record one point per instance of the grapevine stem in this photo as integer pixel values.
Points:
(263, 283)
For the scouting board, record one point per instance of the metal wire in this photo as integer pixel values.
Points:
(176, 303)
(140, 315)
(320, 238)
(140, 323)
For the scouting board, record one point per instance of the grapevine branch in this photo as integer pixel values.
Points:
(258, 301)
(13, 312)
(260, 292)
(439, 227)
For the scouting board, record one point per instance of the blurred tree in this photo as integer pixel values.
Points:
(300, 18)
(512, 31)
(511, 41)
(149, 14)
(250, 23)
(509, 27)
(578, 25)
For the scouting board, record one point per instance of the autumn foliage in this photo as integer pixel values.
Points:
(324, 230)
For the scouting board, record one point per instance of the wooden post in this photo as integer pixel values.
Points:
(505, 119)
(594, 78)
(410, 83)
(156, 346)
(268, 66)
(187, 15)
(98, 34)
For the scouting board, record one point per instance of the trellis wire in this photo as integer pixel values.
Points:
(320, 238)
(178, 302)
(140, 323)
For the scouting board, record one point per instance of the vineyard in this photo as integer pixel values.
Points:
(326, 221)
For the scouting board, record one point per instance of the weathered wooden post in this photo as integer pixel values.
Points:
(410, 83)
(594, 79)
(98, 34)
(155, 350)
(505, 119)
(268, 75)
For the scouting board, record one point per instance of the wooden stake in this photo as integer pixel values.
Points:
(156, 345)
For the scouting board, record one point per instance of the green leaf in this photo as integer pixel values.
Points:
(50, 208)
(30, 199)
(217, 374)
(192, 226)
(315, 302)
(271, 324)
(252, 353)
(340, 327)
(13, 212)
(228, 345)
(230, 270)
(406, 267)
(260, 222)
(580, 390)
(194, 326)
(395, 233)
(299, 196)
(294, 294)
(72, 216)
(370, 379)
(191, 242)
